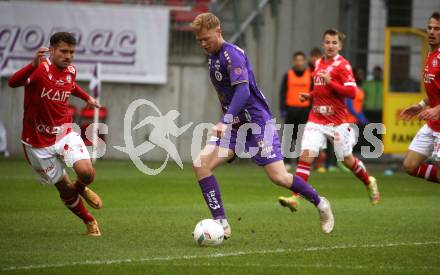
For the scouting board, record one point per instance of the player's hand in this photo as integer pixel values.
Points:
(91, 102)
(304, 97)
(325, 76)
(39, 56)
(410, 112)
(430, 113)
(219, 130)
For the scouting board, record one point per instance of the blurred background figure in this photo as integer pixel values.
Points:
(355, 108)
(315, 54)
(373, 95)
(3, 142)
(297, 80)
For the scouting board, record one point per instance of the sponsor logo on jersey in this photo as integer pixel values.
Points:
(318, 81)
(217, 64)
(238, 71)
(57, 95)
(59, 82)
(51, 130)
(71, 69)
(428, 78)
(218, 76)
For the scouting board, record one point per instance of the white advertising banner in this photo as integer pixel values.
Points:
(130, 42)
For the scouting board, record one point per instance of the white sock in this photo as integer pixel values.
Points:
(323, 203)
(223, 222)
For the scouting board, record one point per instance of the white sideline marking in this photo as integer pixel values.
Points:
(232, 254)
(293, 265)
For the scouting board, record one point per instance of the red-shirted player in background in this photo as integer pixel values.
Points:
(427, 141)
(333, 81)
(48, 141)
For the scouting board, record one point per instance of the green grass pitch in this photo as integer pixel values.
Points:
(147, 222)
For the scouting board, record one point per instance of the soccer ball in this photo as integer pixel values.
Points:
(208, 233)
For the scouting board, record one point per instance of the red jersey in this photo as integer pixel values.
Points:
(329, 99)
(46, 94)
(431, 79)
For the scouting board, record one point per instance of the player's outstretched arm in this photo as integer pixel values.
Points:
(79, 92)
(430, 113)
(413, 110)
(20, 77)
(239, 100)
(219, 130)
(347, 91)
(92, 102)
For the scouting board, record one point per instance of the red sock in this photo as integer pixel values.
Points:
(79, 186)
(320, 161)
(75, 204)
(360, 172)
(426, 171)
(302, 171)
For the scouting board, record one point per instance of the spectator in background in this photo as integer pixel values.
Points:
(315, 54)
(297, 80)
(355, 106)
(373, 96)
(3, 142)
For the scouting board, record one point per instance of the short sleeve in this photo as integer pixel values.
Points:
(237, 68)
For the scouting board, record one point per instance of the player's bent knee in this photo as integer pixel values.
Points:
(409, 166)
(86, 175)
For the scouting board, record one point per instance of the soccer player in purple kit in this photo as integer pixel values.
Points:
(243, 104)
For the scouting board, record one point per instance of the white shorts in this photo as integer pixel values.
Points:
(342, 136)
(48, 161)
(426, 142)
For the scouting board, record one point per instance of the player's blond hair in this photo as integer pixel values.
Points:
(205, 20)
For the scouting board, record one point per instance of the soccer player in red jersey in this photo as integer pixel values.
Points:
(48, 139)
(427, 141)
(333, 82)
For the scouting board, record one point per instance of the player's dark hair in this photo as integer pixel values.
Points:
(315, 52)
(334, 32)
(436, 15)
(377, 68)
(65, 37)
(299, 53)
